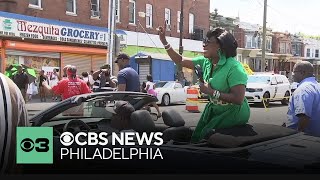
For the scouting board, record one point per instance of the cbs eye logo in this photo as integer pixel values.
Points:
(40, 145)
(66, 138)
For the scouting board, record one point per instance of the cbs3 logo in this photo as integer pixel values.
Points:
(40, 145)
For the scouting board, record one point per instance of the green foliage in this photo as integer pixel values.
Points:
(132, 50)
(317, 37)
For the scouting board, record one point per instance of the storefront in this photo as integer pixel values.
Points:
(40, 43)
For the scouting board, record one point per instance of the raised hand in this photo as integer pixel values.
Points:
(162, 35)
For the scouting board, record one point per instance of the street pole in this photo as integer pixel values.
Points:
(263, 60)
(179, 68)
(111, 27)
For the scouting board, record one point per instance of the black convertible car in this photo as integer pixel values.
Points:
(252, 148)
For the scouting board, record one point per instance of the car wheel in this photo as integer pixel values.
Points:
(266, 96)
(285, 101)
(166, 99)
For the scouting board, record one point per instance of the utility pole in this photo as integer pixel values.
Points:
(111, 29)
(179, 68)
(263, 60)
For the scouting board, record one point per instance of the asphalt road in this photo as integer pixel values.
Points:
(275, 114)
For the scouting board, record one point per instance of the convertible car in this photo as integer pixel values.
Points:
(251, 148)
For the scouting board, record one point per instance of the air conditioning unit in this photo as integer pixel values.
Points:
(197, 34)
(95, 13)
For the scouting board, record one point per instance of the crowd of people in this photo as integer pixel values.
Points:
(224, 78)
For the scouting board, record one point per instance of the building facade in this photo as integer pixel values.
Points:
(311, 54)
(75, 31)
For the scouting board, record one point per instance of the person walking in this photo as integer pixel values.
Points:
(42, 92)
(150, 88)
(53, 81)
(69, 87)
(128, 78)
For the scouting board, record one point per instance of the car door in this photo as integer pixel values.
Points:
(274, 87)
(280, 89)
(179, 93)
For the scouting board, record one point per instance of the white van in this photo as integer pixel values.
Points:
(270, 87)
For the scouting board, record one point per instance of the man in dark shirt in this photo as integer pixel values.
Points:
(128, 78)
(21, 80)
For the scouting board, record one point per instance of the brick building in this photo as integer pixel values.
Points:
(79, 29)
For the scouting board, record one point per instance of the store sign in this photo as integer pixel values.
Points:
(41, 31)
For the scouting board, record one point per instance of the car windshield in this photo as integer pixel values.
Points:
(97, 107)
(259, 79)
(164, 84)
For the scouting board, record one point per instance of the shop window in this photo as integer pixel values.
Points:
(71, 7)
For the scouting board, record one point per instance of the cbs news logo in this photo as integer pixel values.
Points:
(34, 145)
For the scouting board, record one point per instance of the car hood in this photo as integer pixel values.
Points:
(256, 85)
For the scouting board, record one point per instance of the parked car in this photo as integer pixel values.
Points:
(170, 92)
(271, 87)
(250, 148)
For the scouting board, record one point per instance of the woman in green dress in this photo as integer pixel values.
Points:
(225, 82)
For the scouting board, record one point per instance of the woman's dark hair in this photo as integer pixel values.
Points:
(85, 74)
(226, 40)
(149, 78)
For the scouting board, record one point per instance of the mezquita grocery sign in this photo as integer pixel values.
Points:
(41, 31)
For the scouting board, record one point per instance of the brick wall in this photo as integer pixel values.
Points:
(56, 9)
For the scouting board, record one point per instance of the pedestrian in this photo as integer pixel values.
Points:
(304, 104)
(32, 90)
(150, 88)
(42, 92)
(53, 81)
(225, 82)
(21, 79)
(103, 79)
(128, 78)
(13, 114)
(87, 78)
(69, 87)
(143, 87)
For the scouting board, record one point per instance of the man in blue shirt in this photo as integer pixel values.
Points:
(128, 78)
(304, 106)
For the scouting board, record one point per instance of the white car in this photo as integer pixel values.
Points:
(271, 87)
(169, 92)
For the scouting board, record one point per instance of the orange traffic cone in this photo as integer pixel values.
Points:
(192, 100)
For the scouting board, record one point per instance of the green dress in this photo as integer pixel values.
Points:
(228, 73)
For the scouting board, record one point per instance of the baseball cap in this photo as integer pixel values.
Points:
(105, 66)
(121, 107)
(72, 70)
(122, 56)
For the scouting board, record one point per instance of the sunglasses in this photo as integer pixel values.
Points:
(207, 41)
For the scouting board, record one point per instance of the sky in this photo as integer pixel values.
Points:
(282, 15)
